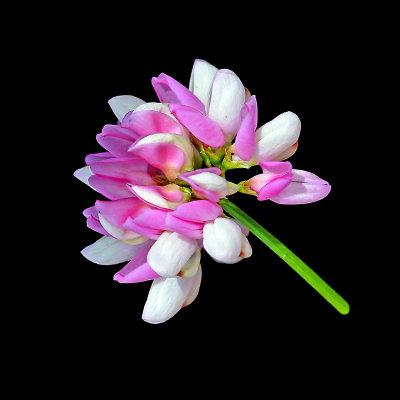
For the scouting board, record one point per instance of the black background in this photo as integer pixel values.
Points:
(317, 68)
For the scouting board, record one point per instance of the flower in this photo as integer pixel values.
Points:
(163, 175)
(284, 185)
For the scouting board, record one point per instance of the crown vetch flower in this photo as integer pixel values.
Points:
(163, 176)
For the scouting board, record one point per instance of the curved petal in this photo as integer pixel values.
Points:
(147, 122)
(198, 211)
(245, 141)
(277, 136)
(132, 170)
(202, 127)
(170, 253)
(274, 187)
(192, 265)
(168, 152)
(201, 78)
(171, 91)
(83, 174)
(117, 146)
(166, 297)
(187, 228)
(118, 211)
(137, 270)
(109, 251)
(91, 158)
(227, 97)
(194, 289)
(123, 104)
(222, 239)
(111, 188)
(304, 188)
(166, 197)
(94, 224)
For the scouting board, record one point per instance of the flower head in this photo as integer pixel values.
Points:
(163, 175)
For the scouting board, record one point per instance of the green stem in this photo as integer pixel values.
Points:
(290, 258)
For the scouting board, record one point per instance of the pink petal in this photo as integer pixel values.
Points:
(202, 127)
(198, 211)
(150, 223)
(245, 142)
(304, 188)
(117, 212)
(276, 167)
(132, 170)
(171, 91)
(274, 187)
(117, 146)
(189, 229)
(91, 158)
(95, 225)
(164, 156)
(147, 122)
(111, 188)
(137, 270)
(119, 131)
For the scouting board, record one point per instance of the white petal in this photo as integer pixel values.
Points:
(170, 253)
(222, 239)
(109, 251)
(276, 136)
(195, 288)
(227, 96)
(192, 265)
(121, 105)
(201, 78)
(166, 297)
(83, 174)
(212, 182)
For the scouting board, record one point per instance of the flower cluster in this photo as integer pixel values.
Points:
(163, 173)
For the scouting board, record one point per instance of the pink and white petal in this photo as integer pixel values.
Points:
(227, 97)
(201, 78)
(222, 239)
(137, 270)
(277, 136)
(274, 187)
(109, 251)
(94, 224)
(187, 228)
(198, 211)
(83, 174)
(166, 297)
(304, 188)
(245, 141)
(120, 233)
(91, 158)
(147, 122)
(164, 197)
(170, 253)
(123, 104)
(170, 90)
(202, 127)
(194, 291)
(111, 188)
(166, 157)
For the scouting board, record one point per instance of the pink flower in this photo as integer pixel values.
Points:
(284, 185)
(162, 201)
